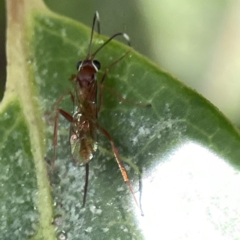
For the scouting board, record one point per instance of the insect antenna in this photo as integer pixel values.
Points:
(126, 37)
(96, 18)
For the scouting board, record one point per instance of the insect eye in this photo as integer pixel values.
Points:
(97, 64)
(79, 64)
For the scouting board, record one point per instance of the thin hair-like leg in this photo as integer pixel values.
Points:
(120, 165)
(86, 183)
(67, 116)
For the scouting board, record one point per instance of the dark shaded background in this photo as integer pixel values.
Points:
(197, 41)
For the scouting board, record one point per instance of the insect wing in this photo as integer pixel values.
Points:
(75, 147)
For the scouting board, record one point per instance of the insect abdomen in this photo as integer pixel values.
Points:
(82, 140)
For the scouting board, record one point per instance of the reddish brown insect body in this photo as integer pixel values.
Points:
(87, 104)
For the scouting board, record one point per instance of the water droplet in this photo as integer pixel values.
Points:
(62, 236)
(58, 220)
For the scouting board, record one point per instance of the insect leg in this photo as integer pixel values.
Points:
(120, 164)
(86, 184)
(64, 114)
(101, 84)
(119, 96)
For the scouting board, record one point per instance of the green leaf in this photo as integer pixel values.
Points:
(178, 150)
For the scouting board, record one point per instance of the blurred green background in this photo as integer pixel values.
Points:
(197, 41)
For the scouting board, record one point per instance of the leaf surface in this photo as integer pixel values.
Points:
(177, 150)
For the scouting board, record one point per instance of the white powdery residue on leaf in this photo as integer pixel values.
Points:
(91, 192)
(14, 209)
(135, 140)
(169, 124)
(33, 215)
(133, 111)
(89, 229)
(127, 167)
(18, 200)
(44, 71)
(39, 29)
(105, 230)
(73, 216)
(79, 52)
(39, 33)
(48, 21)
(99, 41)
(55, 75)
(132, 123)
(6, 116)
(39, 81)
(15, 136)
(99, 211)
(124, 228)
(63, 32)
(93, 209)
(142, 131)
(167, 107)
(19, 157)
(120, 189)
(110, 58)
